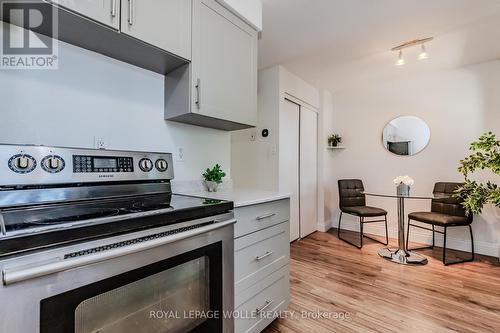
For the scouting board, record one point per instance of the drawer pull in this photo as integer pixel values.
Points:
(113, 8)
(265, 216)
(265, 306)
(130, 12)
(267, 254)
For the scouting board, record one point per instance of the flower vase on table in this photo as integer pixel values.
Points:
(403, 185)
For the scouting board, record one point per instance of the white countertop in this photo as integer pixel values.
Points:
(240, 196)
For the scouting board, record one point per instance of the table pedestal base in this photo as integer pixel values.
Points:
(402, 257)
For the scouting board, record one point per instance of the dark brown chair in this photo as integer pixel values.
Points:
(352, 201)
(446, 211)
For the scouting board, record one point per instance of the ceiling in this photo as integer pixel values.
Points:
(327, 41)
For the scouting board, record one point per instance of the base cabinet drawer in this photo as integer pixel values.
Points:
(260, 301)
(256, 217)
(259, 254)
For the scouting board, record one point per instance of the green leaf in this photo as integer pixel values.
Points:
(485, 154)
(215, 174)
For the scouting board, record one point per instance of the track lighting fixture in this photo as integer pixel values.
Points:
(423, 52)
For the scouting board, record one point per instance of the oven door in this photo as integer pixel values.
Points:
(178, 283)
(179, 294)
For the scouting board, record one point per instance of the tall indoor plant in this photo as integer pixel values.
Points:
(485, 155)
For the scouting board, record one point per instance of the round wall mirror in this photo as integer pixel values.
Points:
(407, 135)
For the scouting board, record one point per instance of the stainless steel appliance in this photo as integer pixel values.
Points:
(95, 241)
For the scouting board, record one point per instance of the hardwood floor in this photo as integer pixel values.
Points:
(329, 275)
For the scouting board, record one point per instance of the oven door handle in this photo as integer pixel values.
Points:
(13, 275)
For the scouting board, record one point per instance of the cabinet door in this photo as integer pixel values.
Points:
(224, 65)
(165, 24)
(103, 11)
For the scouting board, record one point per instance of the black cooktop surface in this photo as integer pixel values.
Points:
(45, 225)
(51, 215)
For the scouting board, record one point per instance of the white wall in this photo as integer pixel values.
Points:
(256, 163)
(92, 95)
(458, 105)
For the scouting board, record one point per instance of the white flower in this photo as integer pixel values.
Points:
(407, 180)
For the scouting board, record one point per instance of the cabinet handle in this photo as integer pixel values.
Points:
(267, 254)
(265, 306)
(198, 88)
(130, 12)
(113, 8)
(265, 216)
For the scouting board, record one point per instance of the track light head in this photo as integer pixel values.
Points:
(423, 53)
(401, 60)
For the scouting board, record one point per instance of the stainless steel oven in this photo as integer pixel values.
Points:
(123, 256)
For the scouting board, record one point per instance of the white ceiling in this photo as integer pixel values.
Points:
(332, 43)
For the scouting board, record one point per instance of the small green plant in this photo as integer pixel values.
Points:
(214, 175)
(485, 155)
(334, 140)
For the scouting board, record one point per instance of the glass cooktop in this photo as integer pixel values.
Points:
(66, 213)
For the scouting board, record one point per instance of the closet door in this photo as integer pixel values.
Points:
(308, 171)
(289, 160)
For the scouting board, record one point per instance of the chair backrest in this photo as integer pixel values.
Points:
(350, 193)
(448, 204)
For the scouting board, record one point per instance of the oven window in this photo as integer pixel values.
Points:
(178, 294)
(156, 304)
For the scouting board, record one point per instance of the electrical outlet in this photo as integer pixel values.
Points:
(99, 142)
(180, 154)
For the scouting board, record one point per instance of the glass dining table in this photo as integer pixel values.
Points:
(400, 254)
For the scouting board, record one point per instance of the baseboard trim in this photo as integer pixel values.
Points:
(420, 236)
(325, 226)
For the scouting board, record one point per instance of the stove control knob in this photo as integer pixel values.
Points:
(22, 163)
(53, 163)
(146, 164)
(161, 165)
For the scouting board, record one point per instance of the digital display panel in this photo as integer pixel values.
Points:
(105, 163)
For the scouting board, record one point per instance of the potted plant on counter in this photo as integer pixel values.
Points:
(334, 140)
(485, 156)
(213, 177)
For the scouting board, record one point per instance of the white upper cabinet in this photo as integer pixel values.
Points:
(248, 10)
(106, 12)
(165, 24)
(224, 65)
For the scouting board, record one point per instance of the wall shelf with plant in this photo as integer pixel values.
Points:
(333, 141)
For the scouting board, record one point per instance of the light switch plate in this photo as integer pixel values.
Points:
(180, 154)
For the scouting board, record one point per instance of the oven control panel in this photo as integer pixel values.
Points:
(37, 165)
(82, 163)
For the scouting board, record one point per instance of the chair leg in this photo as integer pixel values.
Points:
(345, 240)
(408, 233)
(360, 232)
(338, 230)
(433, 236)
(386, 232)
(458, 261)
(471, 241)
(444, 246)
(408, 237)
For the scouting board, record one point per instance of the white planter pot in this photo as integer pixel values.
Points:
(211, 186)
